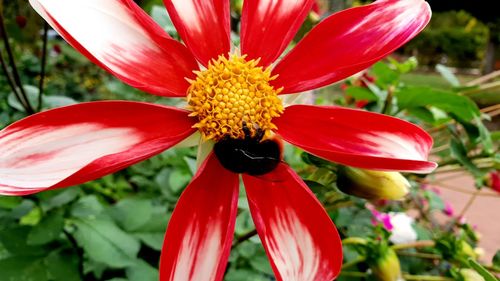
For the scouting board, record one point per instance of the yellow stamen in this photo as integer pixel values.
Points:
(232, 92)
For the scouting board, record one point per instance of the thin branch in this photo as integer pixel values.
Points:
(15, 73)
(43, 66)
(10, 81)
(244, 237)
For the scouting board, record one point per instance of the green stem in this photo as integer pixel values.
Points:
(418, 244)
(353, 263)
(426, 278)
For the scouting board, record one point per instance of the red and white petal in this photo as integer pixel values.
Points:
(118, 36)
(268, 26)
(200, 231)
(299, 237)
(203, 25)
(350, 41)
(78, 143)
(357, 138)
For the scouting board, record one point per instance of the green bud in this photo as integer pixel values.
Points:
(372, 185)
(470, 275)
(386, 267)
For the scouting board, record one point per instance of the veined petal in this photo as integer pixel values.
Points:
(267, 27)
(357, 138)
(119, 37)
(298, 236)
(350, 41)
(78, 143)
(203, 25)
(200, 231)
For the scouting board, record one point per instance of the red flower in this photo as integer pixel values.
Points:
(493, 180)
(78, 143)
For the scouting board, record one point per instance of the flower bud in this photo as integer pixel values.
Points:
(493, 181)
(387, 267)
(372, 185)
(470, 275)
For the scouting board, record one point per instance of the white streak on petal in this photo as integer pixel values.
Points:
(292, 247)
(199, 255)
(43, 156)
(394, 145)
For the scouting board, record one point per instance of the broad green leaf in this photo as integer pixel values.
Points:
(57, 101)
(23, 268)
(361, 93)
(385, 76)
(141, 271)
(448, 75)
(178, 180)
(32, 95)
(88, 206)
(9, 202)
(132, 213)
(63, 265)
(151, 239)
(14, 240)
(160, 15)
(106, 243)
(261, 263)
(47, 230)
(463, 107)
(56, 198)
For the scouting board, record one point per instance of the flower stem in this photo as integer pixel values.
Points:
(43, 65)
(418, 244)
(426, 278)
(244, 238)
(29, 109)
(353, 262)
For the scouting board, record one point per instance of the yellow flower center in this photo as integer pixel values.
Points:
(232, 94)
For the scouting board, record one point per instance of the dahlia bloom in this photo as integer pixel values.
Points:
(233, 97)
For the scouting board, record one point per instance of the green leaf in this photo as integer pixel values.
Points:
(152, 240)
(57, 101)
(142, 271)
(361, 93)
(160, 15)
(459, 152)
(106, 243)
(461, 106)
(14, 240)
(88, 206)
(9, 202)
(47, 230)
(56, 198)
(132, 213)
(178, 180)
(63, 266)
(32, 95)
(448, 75)
(496, 259)
(261, 263)
(385, 76)
(482, 271)
(23, 268)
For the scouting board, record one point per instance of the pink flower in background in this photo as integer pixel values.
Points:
(383, 218)
(448, 209)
